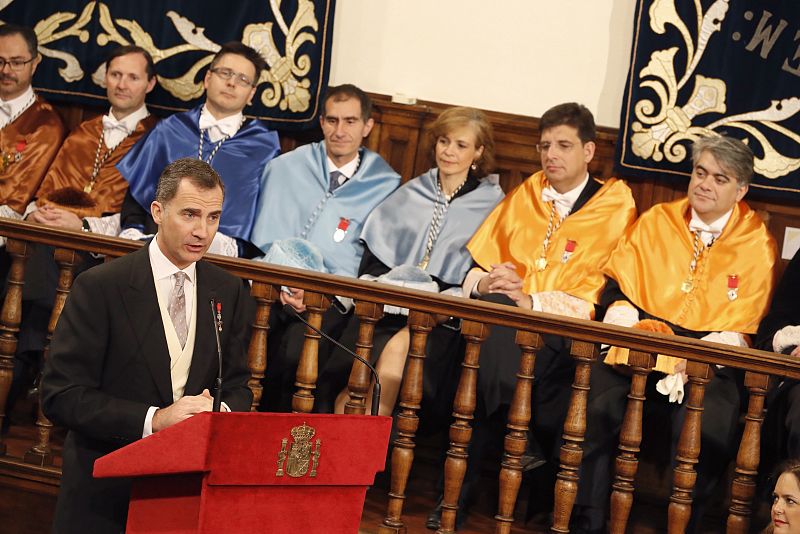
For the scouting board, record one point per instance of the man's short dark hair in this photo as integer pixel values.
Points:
(346, 91)
(571, 114)
(133, 49)
(26, 33)
(198, 172)
(241, 49)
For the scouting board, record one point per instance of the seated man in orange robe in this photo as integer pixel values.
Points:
(30, 129)
(541, 249)
(82, 185)
(701, 267)
(83, 180)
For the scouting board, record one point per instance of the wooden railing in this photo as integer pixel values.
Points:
(478, 318)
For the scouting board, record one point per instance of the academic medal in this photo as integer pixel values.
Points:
(733, 287)
(541, 264)
(569, 249)
(7, 158)
(341, 230)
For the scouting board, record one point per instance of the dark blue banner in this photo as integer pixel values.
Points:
(75, 36)
(708, 67)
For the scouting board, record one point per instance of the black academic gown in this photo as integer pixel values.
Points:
(109, 363)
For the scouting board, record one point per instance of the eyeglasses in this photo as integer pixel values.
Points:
(562, 146)
(15, 64)
(238, 78)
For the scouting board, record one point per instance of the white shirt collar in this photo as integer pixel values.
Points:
(17, 105)
(217, 129)
(708, 232)
(348, 169)
(115, 136)
(565, 201)
(162, 267)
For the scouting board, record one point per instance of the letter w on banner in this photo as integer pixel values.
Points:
(714, 68)
(76, 36)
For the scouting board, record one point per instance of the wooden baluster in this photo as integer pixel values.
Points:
(308, 367)
(519, 418)
(420, 325)
(684, 476)
(455, 466)
(40, 453)
(9, 321)
(265, 296)
(574, 432)
(368, 314)
(630, 437)
(743, 487)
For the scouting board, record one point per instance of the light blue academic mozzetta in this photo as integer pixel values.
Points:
(295, 201)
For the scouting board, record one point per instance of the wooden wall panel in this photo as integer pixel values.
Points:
(400, 136)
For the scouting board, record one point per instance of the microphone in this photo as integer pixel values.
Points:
(376, 388)
(216, 316)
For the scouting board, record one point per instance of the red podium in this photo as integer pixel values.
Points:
(252, 472)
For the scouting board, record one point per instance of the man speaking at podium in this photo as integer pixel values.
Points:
(134, 351)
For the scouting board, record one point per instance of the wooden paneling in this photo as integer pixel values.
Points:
(400, 137)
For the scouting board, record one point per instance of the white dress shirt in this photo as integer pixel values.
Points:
(163, 269)
(115, 131)
(218, 129)
(16, 106)
(347, 170)
(709, 232)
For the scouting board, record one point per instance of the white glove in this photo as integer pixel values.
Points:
(726, 338)
(672, 386)
(788, 336)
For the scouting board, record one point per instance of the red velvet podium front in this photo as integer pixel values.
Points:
(252, 472)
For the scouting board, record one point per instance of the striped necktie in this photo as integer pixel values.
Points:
(177, 308)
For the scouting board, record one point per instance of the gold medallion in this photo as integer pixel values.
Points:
(687, 285)
(541, 264)
(88, 188)
(424, 263)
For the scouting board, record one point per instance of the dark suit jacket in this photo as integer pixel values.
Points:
(109, 363)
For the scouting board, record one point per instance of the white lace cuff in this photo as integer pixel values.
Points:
(561, 303)
(224, 246)
(8, 213)
(397, 310)
(30, 208)
(108, 225)
(536, 303)
(622, 315)
(134, 234)
(471, 281)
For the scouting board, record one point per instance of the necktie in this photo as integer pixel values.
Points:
(177, 308)
(337, 179)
